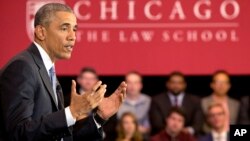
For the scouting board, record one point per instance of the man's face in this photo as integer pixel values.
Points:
(176, 84)
(58, 37)
(216, 117)
(221, 84)
(87, 80)
(175, 123)
(134, 84)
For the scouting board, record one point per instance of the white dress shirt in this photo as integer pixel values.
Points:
(179, 97)
(219, 136)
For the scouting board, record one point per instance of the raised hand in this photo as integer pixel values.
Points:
(81, 105)
(110, 105)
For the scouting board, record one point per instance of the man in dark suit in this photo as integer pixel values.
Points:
(176, 96)
(31, 99)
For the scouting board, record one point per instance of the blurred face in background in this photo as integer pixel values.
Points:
(134, 84)
(175, 123)
(128, 124)
(87, 80)
(176, 84)
(221, 84)
(216, 117)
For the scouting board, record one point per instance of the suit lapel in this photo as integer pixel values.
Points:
(185, 102)
(232, 111)
(42, 71)
(166, 104)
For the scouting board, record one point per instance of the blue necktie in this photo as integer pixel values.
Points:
(53, 81)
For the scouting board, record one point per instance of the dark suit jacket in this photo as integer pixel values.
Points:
(244, 113)
(163, 136)
(27, 104)
(209, 137)
(161, 105)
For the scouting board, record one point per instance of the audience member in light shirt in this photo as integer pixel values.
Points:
(221, 85)
(136, 102)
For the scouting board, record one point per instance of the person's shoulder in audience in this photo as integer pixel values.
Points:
(192, 97)
(207, 137)
(145, 97)
(245, 99)
(159, 96)
(234, 101)
(205, 101)
(162, 136)
(207, 98)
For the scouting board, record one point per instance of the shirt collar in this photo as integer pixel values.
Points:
(216, 134)
(45, 57)
(181, 95)
(135, 102)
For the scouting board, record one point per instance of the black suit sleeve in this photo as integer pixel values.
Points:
(244, 116)
(86, 129)
(157, 120)
(198, 117)
(18, 87)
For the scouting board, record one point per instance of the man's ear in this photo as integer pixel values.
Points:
(40, 32)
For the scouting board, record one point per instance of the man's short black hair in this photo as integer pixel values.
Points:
(178, 111)
(220, 72)
(176, 73)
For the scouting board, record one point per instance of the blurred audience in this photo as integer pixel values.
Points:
(215, 117)
(128, 128)
(220, 85)
(174, 126)
(244, 112)
(136, 102)
(87, 79)
(176, 97)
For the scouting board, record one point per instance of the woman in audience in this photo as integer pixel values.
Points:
(128, 128)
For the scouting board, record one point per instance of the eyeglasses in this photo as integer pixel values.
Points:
(216, 114)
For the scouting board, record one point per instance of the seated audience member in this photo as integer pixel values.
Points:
(244, 114)
(136, 102)
(176, 97)
(87, 79)
(220, 85)
(128, 128)
(174, 126)
(215, 117)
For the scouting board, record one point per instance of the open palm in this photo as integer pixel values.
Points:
(110, 105)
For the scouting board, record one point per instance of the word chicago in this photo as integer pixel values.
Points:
(179, 20)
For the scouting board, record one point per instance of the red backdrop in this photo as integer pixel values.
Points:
(154, 37)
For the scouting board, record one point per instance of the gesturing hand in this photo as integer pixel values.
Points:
(110, 105)
(81, 105)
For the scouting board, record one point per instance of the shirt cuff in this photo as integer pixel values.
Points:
(69, 118)
(98, 125)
